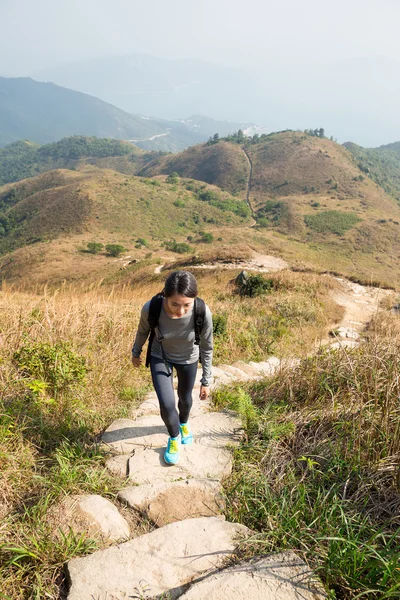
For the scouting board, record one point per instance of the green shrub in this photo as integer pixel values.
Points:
(256, 285)
(55, 365)
(173, 178)
(179, 203)
(331, 221)
(95, 247)
(179, 247)
(114, 249)
(207, 238)
(219, 324)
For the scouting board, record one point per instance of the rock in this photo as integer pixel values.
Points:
(165, 560)
(281, 576)
(238, 374)
(165, 503)
(148, 466)
(212, 429)
(242, 278)
(118, 465)
(240, 364)
(347, 332)
(103, 516)
(92, 516)
(343, 344)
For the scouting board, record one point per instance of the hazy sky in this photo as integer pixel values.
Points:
(43, 33)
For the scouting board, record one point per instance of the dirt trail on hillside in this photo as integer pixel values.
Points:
(360, 302)
(248, 186)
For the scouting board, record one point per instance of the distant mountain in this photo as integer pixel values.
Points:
(144, 84)
(44, 112)
(354, 99)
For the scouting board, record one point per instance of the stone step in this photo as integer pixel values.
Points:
(148, 466)
(166, 560)
(282, 576)
(237, 374)
(240, 364)
(165, 503)
(215, 429)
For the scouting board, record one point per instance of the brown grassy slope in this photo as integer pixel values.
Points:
(221, 164)
(54, 224)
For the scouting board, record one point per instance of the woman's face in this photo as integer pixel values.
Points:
(178, 305)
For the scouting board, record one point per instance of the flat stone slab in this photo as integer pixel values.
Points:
(165, 560)
(165, 503)
(211, 429)
(196, 462)
(281, 576)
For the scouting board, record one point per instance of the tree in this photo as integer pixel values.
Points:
(114, 249)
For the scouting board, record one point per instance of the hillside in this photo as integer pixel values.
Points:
(312, 203)
(381, 164)
(222, 164)
(23, 159)
(47, 221)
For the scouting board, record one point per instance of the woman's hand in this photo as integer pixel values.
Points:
(204, 392)
(136, 361)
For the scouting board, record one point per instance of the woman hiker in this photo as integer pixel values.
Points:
(181, 330)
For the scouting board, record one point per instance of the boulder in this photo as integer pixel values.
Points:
(281, 576)
(165, 560)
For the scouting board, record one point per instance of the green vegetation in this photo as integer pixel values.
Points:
(382, 165)
(55, 367)
(94, 247)
(115, 249)
(179, 247)
(315, 132)
(238, 207)
(318, 469)
(331, 221)
(24, 159)
(255, 285)
(220, 322)
(206, 237)
(272, 213)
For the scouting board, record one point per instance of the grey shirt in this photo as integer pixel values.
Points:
(178, 339)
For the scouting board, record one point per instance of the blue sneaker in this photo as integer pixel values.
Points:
(171, 454)
(186, 433)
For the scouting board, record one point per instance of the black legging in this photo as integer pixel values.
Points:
(165, 392)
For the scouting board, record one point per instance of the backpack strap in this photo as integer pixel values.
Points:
(199, 316)
(153, 317)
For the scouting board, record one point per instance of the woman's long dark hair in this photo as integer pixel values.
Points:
(180, 282)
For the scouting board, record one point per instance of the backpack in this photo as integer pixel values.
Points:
(154, 315)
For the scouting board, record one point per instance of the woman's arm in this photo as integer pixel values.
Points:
(206, 349)
(142, 334)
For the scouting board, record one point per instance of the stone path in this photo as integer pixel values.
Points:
(188, 555)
